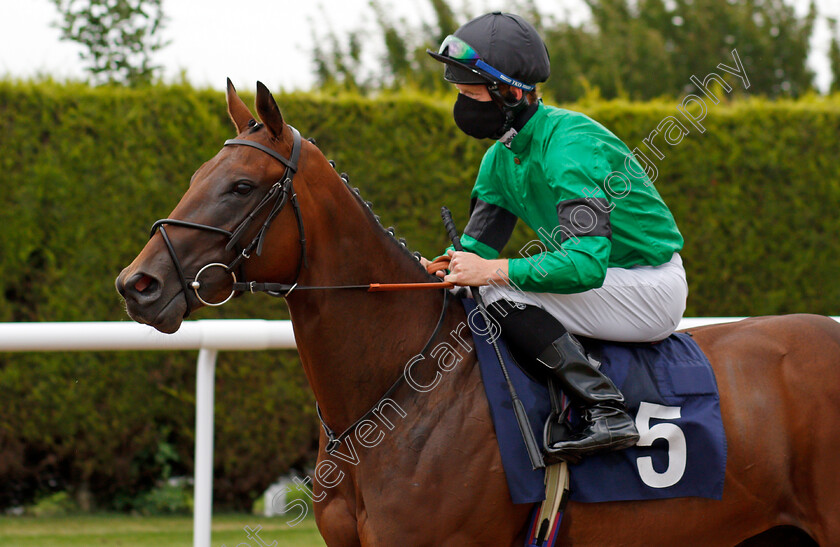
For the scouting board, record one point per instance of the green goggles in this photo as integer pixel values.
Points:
(458, 50)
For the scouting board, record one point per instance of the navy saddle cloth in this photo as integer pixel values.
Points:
(671, 392)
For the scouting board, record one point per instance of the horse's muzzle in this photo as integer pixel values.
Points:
(146, 303)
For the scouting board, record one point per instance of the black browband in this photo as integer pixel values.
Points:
(291, 163)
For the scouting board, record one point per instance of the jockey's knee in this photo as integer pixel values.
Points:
(527, 329)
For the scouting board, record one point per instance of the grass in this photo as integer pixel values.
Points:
(128, 531)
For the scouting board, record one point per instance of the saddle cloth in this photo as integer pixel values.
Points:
(670, 390)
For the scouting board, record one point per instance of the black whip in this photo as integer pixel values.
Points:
(531, 446)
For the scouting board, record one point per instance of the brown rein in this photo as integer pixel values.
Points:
(284, 290)
(441, 263)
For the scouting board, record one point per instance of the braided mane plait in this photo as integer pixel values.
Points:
(368, 206)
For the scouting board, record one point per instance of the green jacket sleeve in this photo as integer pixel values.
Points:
(573, 249)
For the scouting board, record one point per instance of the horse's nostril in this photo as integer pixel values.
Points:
(143, 283)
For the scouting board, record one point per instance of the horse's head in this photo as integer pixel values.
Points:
(238, 200)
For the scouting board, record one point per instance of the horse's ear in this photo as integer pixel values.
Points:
(268, 111)
(237, 110)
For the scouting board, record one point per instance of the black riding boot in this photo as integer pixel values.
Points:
(608, 426)
(543, 348)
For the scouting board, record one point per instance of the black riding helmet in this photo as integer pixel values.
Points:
(492, 49)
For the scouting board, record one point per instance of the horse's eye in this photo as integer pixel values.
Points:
(242, 188)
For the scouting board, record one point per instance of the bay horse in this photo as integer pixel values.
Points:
(436, 476)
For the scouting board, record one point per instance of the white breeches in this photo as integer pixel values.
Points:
(638, 304)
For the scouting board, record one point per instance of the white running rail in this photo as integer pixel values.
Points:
(209, 336)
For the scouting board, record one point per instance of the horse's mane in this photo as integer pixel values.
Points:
(367, 207)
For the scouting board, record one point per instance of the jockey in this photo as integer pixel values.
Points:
(606, 264)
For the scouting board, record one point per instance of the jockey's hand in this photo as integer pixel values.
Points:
(424, 262)
(469, 269)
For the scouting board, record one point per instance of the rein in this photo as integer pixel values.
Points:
(284, 289)
(281, 193)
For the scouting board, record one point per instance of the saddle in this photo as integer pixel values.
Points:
(671, 392)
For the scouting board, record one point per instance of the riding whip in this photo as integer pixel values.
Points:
(531, 446)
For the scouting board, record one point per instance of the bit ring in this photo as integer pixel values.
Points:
(197, 285)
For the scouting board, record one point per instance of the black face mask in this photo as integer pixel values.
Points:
(479, 119)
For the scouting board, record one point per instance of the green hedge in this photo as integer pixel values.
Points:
(85, 171)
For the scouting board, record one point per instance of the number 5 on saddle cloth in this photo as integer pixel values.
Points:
(669, 389)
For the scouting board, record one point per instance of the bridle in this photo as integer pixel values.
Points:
(281, 193)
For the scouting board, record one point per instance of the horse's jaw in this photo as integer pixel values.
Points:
(168, 320)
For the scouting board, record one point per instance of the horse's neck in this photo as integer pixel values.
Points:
(354, 344)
